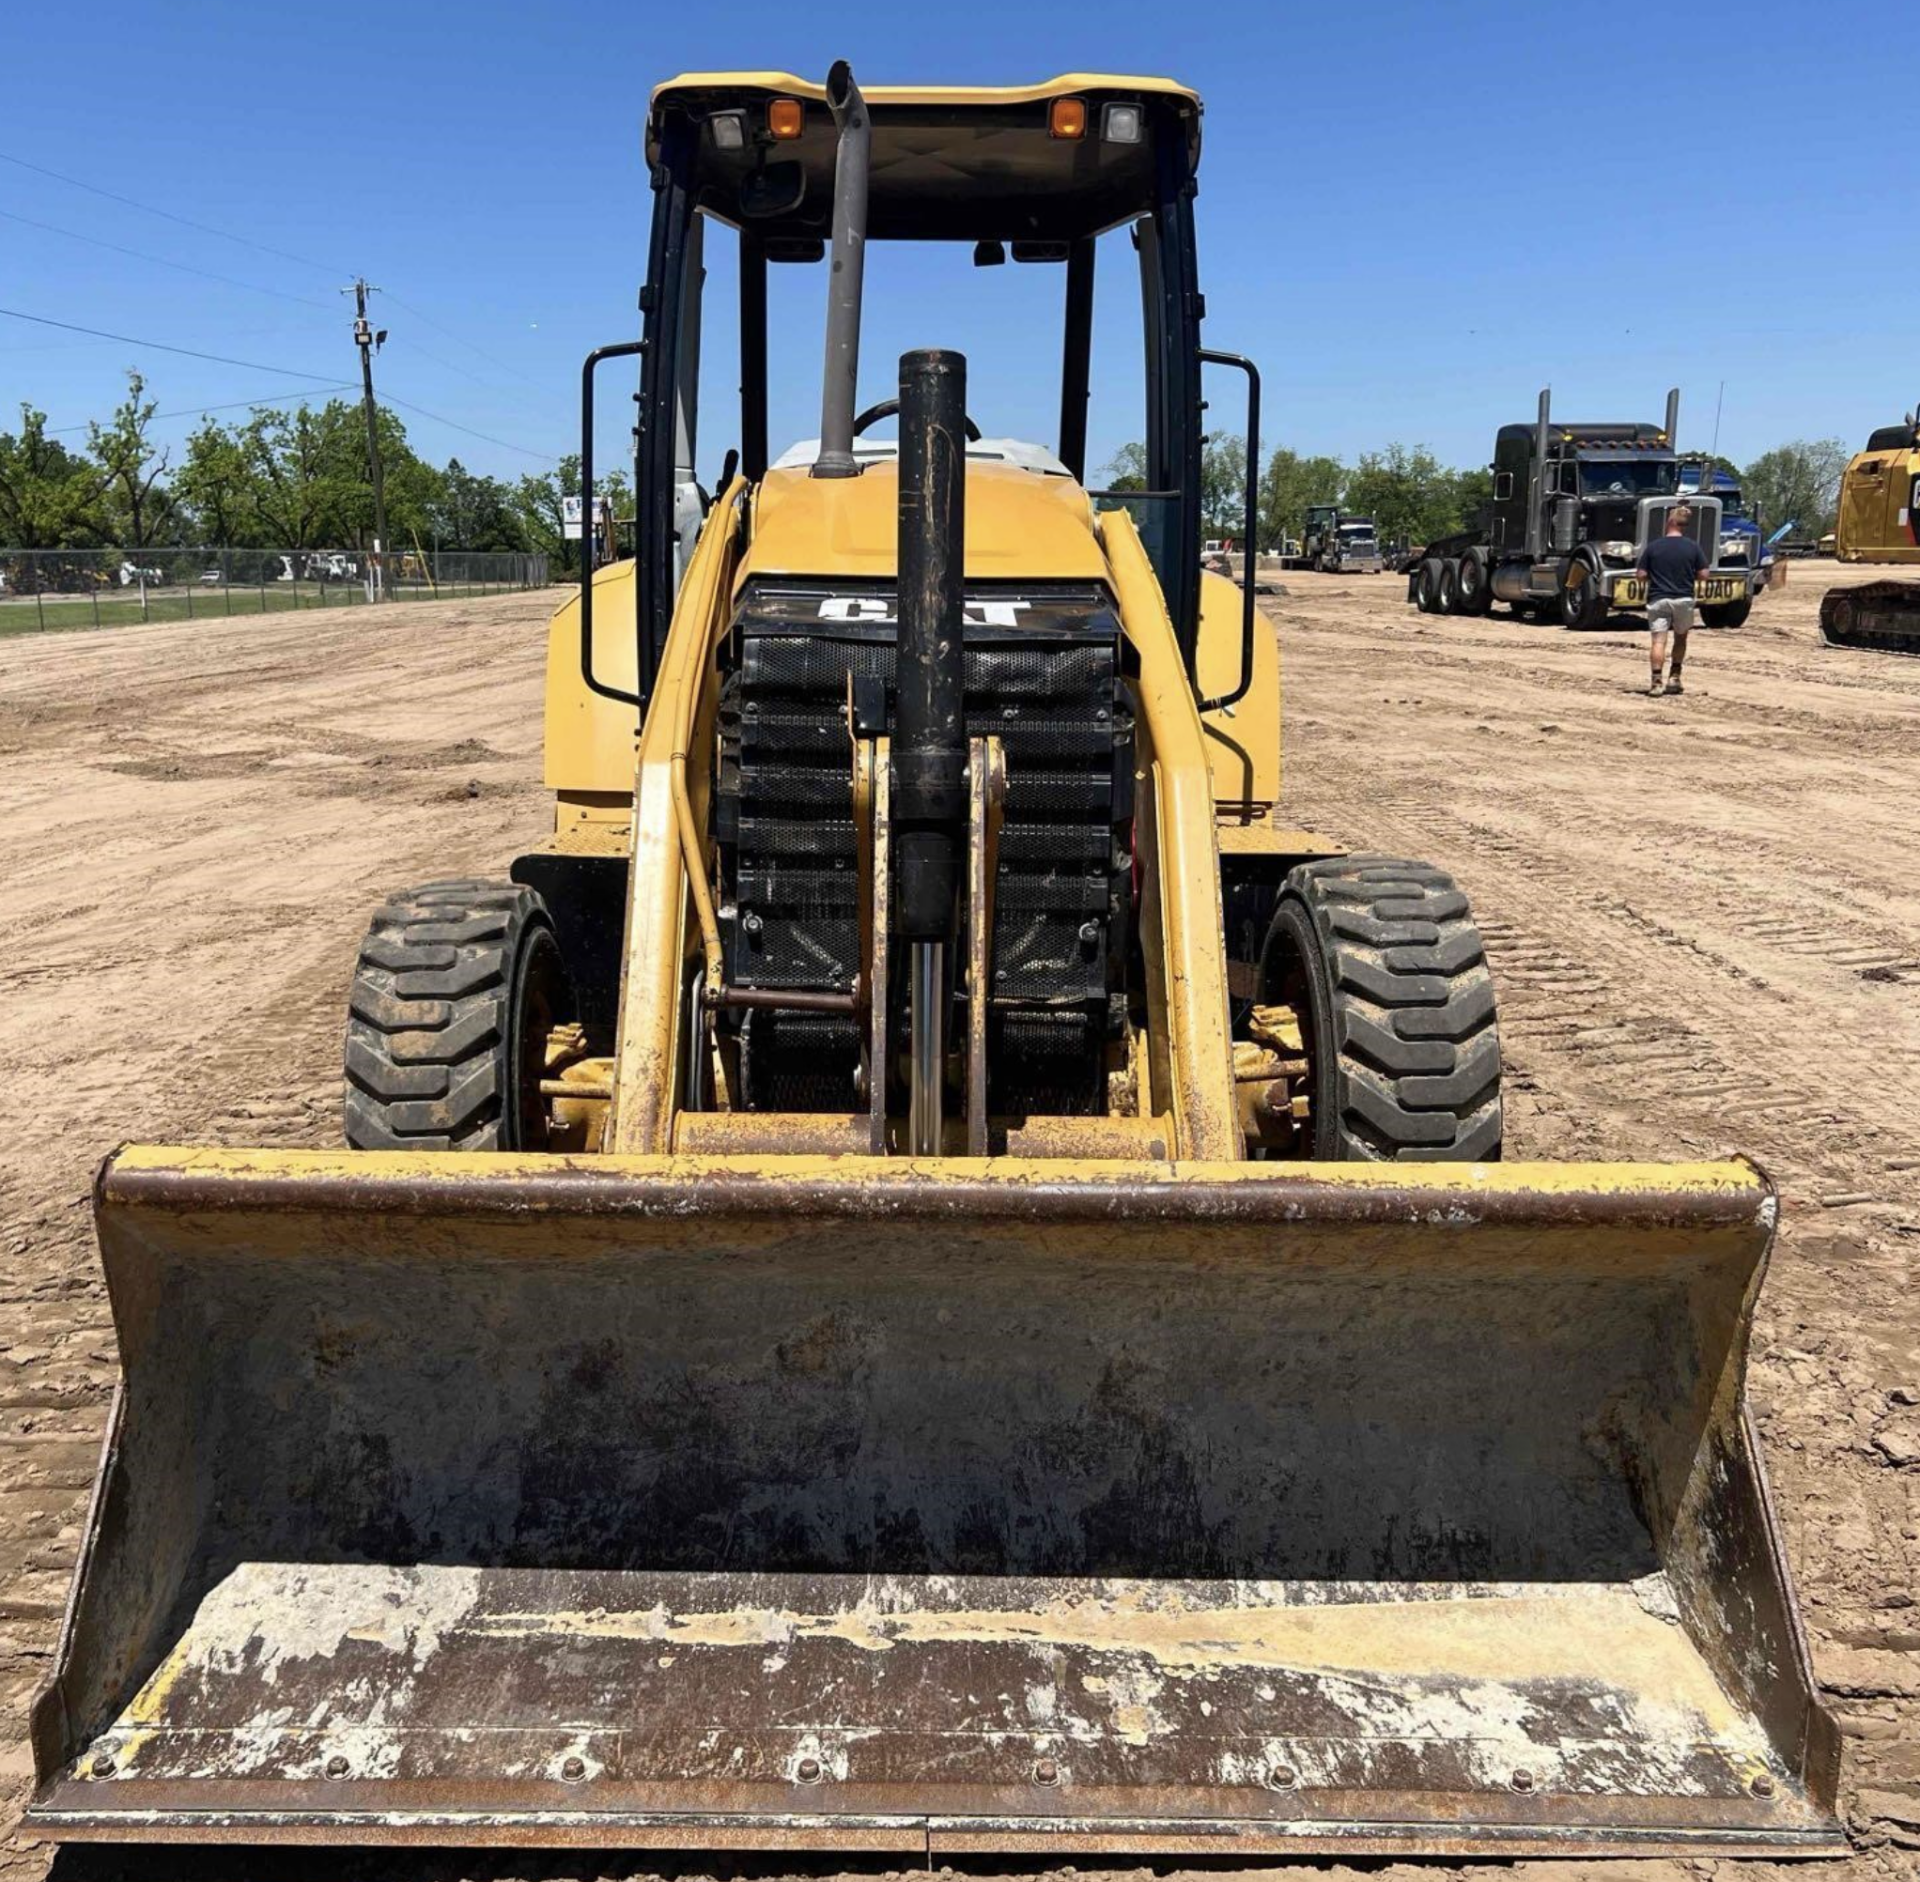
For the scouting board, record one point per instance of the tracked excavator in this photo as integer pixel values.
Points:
(924, 1277)
(1879, 522)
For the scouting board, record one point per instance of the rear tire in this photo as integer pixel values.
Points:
(1727, 613)
(457, 987)
(1448, 599)
(1384, 968)
(1426, 587)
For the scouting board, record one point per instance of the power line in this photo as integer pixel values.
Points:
(186, 222)
(438, 327)
(200, 411)
(161, 346)
(484, 437)
(161, 261)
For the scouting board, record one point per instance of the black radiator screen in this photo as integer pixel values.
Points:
(1043, 675)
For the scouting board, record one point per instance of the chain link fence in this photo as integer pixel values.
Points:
(44, 589)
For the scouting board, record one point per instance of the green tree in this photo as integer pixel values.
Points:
(299, 491)
(139, 508)
(1223, 484)
(1468, 499)
(1798, 483)
(215, 489)
(1288, 486)
(1406, 491)
(50, 497)
(538, 503)
(1126, 470)
(475, 512)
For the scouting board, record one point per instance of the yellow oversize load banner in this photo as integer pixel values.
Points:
(1240, 1509)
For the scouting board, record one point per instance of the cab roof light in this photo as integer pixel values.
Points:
(785, 118)
(1067, 117)
(1122, 124)
(729, 130)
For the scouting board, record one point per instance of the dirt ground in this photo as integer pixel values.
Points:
(1703, 915)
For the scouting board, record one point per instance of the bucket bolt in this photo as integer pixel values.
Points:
(102, 1766)
(1046, 1771)
(573, 1769)
(337, 1766)
(1522, 1780)
(1282, 1777)
(809, 1771)
(1762, 1785)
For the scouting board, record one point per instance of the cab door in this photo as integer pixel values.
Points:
(1867, 503)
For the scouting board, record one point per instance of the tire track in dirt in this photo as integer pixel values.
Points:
(1703, 933)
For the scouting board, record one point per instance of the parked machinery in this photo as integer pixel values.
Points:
(1338, 544)
(1573, 505)
(924, 1278)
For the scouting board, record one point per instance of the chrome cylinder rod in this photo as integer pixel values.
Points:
(927, 1022)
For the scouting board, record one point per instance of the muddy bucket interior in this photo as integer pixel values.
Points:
(1219, 1509)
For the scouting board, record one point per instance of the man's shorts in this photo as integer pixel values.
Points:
(1673, 615)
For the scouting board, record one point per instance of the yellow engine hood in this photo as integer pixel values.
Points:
(1020, 523)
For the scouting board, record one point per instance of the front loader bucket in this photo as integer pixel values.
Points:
(947, 1508)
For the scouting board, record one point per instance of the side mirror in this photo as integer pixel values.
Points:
(989, 254)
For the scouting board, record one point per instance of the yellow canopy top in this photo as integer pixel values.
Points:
(949, 162)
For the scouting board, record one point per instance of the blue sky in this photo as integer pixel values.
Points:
(1412, 215)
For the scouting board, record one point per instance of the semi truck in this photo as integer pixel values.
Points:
(1336, 543)
(1742, 537)
(1573, 505)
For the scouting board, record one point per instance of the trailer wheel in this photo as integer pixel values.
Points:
(1476, 583)
(1727, 613)
(1384, 969)
(1426, 587)
(1447, 601)
(457, 986)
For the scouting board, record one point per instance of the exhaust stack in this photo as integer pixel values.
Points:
(1673, 417)
(1536, 509)
(930, 722)
(840, 387)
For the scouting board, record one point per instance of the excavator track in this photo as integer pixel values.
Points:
(1882, 616)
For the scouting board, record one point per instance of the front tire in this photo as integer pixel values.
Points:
(1384, 969)
(1583, 604)
(1475, 584)
(1726, 613)
(456, 989)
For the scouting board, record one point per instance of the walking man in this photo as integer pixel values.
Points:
(1670, 564)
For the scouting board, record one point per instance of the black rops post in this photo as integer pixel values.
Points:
(929, 785)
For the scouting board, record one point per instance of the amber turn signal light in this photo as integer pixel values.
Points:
(1067, 117)
(785, 116)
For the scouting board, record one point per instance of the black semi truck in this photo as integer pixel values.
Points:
(1337, 543)
(1573, 505)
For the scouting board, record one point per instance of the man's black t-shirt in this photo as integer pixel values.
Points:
(1671, 563)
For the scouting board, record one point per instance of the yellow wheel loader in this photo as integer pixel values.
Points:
(925, 1279)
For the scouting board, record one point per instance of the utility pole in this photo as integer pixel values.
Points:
(369, 342)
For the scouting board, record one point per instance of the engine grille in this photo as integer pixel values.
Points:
(1042, 674)
(1704, 528)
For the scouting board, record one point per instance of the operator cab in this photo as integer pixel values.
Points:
(745, 170)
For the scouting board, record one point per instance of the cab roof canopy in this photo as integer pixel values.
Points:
(949, 163)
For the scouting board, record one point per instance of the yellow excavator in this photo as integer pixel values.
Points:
(925, 1278)
(1879, 522)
